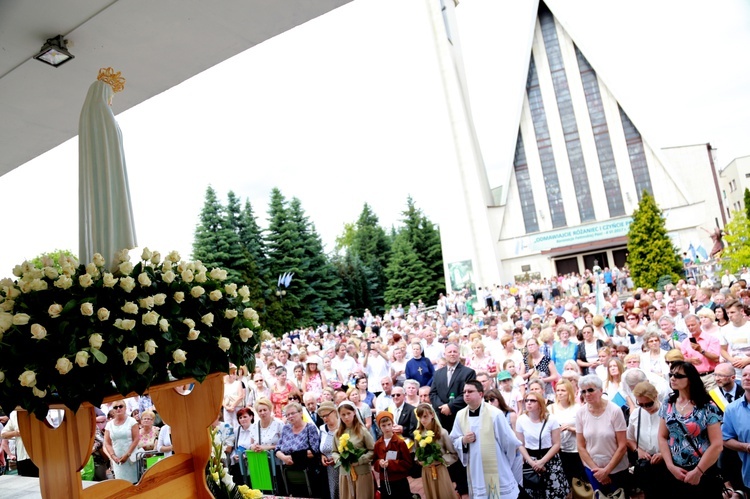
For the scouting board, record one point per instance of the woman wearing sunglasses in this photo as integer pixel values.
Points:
(600, 435)
(643, 439)
(121, 437)
(690, 436)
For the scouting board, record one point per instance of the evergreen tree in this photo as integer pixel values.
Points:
(747, 202)
(406, 273)
(255, 274)
(651, 253)
(355, 280)
(284, 255)
(236, 262)
(425, 239)
(371, 246)
(737, 235)
(216, 242)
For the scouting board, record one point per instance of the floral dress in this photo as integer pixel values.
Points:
(280, 399)
(326, 448)
(542, 367)
(149, 438)
(314, 385)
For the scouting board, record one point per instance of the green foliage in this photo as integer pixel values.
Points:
(736, 254)
(52, 259)
(372, 247)
(406, 273)
(746, 200)
(651, 253)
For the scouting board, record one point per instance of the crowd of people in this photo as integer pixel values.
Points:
(535, 393)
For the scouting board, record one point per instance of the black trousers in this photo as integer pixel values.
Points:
(457, 472)
(399, 489)
(27, 467)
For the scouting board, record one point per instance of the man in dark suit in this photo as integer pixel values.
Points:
(403, 414)
(446, 396)
(446, 393)
(312, 409)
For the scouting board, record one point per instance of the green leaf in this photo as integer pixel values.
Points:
(69, 306)
(99, 356)
(141, 367)
(143, 357)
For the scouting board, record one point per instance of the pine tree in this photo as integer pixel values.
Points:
(406, 273)
(255, 274)
(216, 242)
(425, 238)
(737, 235)
(746, 200)
(372, 247)
(236, 261)
(355, 281)
(651, 253)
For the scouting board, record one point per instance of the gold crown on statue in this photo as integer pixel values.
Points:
(112, 78)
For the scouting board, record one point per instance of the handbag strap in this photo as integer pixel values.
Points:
(540, 434)
(638, 434)
(687, 436)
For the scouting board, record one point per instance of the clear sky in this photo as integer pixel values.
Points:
(348, 109)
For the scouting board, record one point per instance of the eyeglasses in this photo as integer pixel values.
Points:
(588, 390)
(646, 405)
(118, 407)
(326, 414)
(467, 392)
(677, 375)
(397, 395)
(291, 413)
(530, 400)
(259, 381)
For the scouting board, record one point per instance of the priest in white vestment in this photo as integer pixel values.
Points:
(487, 446)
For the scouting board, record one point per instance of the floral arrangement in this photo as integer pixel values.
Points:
(348, 455)
(428, 452)
(219, 481)
(73, 333)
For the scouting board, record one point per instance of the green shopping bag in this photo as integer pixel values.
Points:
(259, 470)
(87, 473)
(150, 461)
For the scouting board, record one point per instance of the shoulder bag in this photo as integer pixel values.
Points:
(532, 479)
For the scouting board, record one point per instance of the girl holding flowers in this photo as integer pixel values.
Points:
(353, 453)
(435, 452)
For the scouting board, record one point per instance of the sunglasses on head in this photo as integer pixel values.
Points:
(646, 405)
(677, 375)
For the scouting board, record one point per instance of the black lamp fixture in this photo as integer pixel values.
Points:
(54, 52)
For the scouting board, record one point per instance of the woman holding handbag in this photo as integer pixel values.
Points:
(643, 441)
(539, 432)
(690, 437)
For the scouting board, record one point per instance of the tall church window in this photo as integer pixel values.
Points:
(525, 190)
(637, 155)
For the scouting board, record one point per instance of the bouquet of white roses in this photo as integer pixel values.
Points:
(72, 333)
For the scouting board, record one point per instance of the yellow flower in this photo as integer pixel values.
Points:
(215, 476)
(417, 435)
(428, 440)
(244, 490)
(430, 433)
(423, 443)
(345, 437)
(341, 448)
(255, 494)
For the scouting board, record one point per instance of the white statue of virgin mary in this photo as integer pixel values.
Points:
(105, 213)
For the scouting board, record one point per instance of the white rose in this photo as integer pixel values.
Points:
(166, 266)
(87, 309)
(245, 334)
(197, 291)
(224, 343)
(63, 282)
(208, 319)
(230, 313)
(7, 305)
(27, 379)
(190, 323)
(201, 277)
(85, 280)
(146, 255)
(231, 289)
(123, 255)
(18, 271)
(98, 260)
(147, 303)
(63, 365)
(144, 280)
(125, 268)
(6, 321)
(179, 356)
(102, 314)
(173, 257)
(182, 267)
(150, 318)
(92, 270)
(150, 347)
(168, 276)
(127, 324)
(160, 299)
(2, 376)
(215, 274)
(193, 334)
(187, 275)
(164, 325)
(109, 280)
(55, 310)
(250, 314)
(21, 319)
(96, 340)
(38, 285)
(127, 284)
(82, 358)
(215, 295)
(155, 258)
(244, 292)
(51, 273)
(129, 355)
(129, 308)
(38, 332)
(179, 296)
(39, 393)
